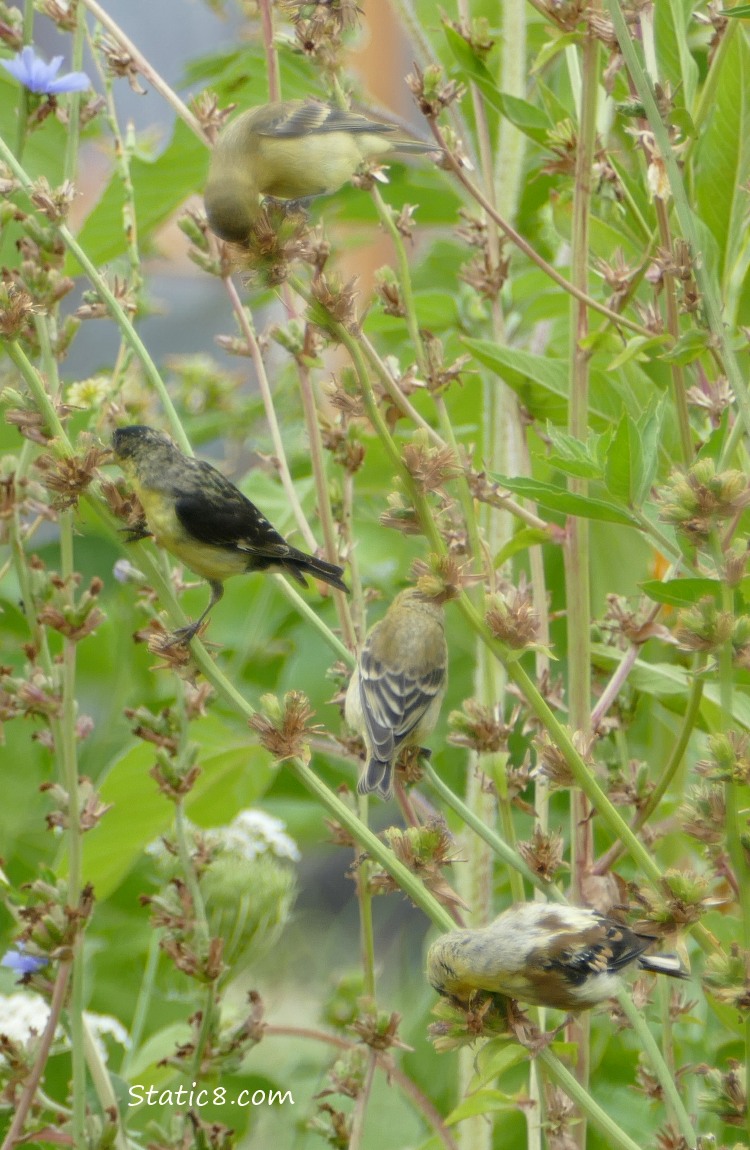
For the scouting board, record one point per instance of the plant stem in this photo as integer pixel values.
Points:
(25, 1102)
(68, 759)
(499, 847)
(708, 287)
(659, 1066)
(343, 814)
(616, 1138)
(143, 66)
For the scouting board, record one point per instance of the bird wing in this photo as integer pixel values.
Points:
(393, 703)
(312, 117)
(216, 512)
(605, 946)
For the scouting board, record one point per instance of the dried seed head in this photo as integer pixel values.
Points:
(543, 853)
(283, 727)
(119, 62)
(432, 92)
(511, 617)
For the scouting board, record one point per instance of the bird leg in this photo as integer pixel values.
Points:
(409, 764)
(183, 635)
(300, 207)
(137, 532)
(526, 1032)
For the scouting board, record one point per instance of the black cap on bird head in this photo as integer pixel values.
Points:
(126, 441)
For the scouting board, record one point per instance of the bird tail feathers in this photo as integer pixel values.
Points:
(377, 776)
(310, 565)
(663, 964)
(414, 147)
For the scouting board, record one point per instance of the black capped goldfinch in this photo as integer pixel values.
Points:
(394, 696)
(201, 518)
(568, 957)
(290, 150)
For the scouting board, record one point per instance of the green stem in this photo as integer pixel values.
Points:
(325, 512)
(73, 135)
(145, 68)
(247, 327)
(123, 149)
(184, 853)
(102, 1084)
(143, 1004)
(23, 93)
(314, 619)
(407, 881)
(364, 896)
(501, 848)
(690, 718)
(202, 1043)
(616, 1138)
(395, 393)
(386, 216)
(117, 311)
(529, 251)
(661, 1070)
(576, 552)
(673, 327)
(735, 807)
(23, 1106)
(711, 301)
(68, 759)
(33, 381)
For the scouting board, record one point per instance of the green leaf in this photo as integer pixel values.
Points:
(572, 456)
(160, 187)
(650, 429)
(551, 48)
(542, 384)
(481, 1102)
(234, 774)
(682, 592)
(672, 24)
(670, 684)
(624, 467)
(721, 163)
(558, 499)
(521, 541)
(741, 12)
(494, 1059)
(689, 347)
(636, 348)
(528, 118)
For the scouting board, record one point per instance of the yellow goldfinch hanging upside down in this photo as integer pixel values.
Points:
(569, 957)
(201, 518)
(290, 150)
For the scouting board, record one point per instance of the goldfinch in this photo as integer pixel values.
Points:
(569, 957)
(201, 518)
(394, 696)
(290, 150)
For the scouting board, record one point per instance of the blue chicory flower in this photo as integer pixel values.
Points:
(31, 71)
(21, 962)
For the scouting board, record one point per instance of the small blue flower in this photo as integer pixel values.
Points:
(21, 962)
(31, 71)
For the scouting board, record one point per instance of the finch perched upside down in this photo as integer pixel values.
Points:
(569, 957)
(290, 150)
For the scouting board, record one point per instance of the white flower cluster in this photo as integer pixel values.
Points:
(24, 1015)
(254, 833)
